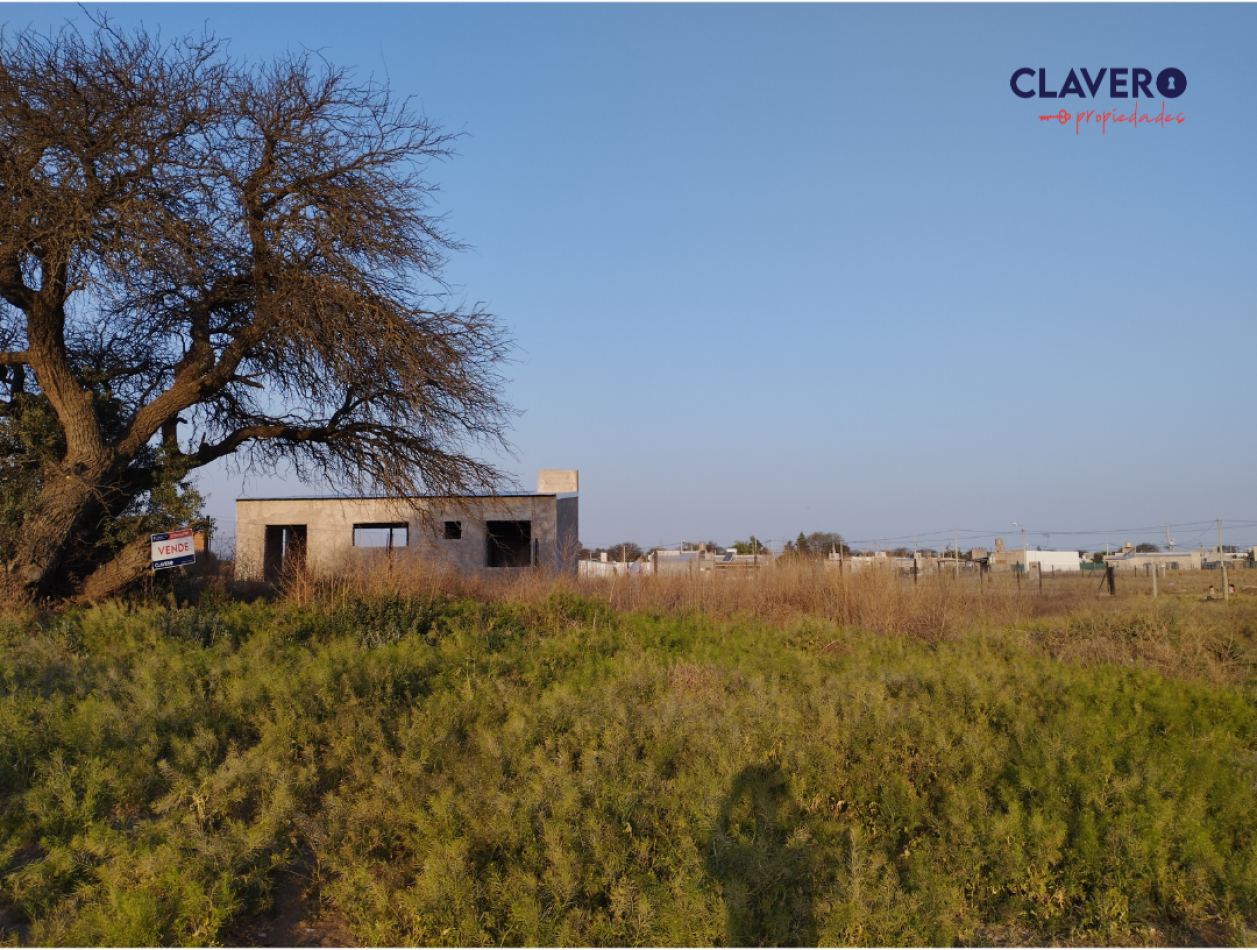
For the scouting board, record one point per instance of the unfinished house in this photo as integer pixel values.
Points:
(476, 534)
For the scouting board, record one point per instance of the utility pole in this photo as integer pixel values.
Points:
(1169, 542)
(1226, 588)
(1025, 562)
(955, 551)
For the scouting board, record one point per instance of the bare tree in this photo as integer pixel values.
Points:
(625, 551)
(200, 257)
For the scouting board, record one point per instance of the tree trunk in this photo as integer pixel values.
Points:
(126, 567)
(67, 514)
(56, 550)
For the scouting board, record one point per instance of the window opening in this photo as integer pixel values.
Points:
(382, 534)
(453, 531)
(284, 551)
(509, 544)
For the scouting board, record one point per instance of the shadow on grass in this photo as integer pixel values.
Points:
(762, 854)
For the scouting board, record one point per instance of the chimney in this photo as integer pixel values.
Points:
(556, 481)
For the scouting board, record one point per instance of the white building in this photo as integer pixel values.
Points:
(1054, 561)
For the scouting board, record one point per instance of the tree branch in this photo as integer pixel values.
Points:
(246, 250)
(122, 569)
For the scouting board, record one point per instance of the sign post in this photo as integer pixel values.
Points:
(174, 549)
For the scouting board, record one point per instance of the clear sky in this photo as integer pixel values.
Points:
(782, 268)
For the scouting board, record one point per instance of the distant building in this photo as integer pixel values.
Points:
(1001, 560)
(1053, 561)
(1128, 559)
(671, 562)
(857, 562)
(681, 562)
(1021, 559)
(473, 534)
(600, 568)
(665, 561)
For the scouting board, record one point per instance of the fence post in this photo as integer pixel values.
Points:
(1108, 576)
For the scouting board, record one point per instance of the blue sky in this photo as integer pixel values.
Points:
(791, 268)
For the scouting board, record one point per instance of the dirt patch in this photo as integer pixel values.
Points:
(13, 927)
(295, 920)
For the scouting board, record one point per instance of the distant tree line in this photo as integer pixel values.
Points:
(818, 544)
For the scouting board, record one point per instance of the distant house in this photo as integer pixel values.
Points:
(664, 561)
(704, 560)
(857, 562)
(1130, 560)
(473, 534)
(1002, 560)
(1054, 561)
(673, 562)
(1021, 559)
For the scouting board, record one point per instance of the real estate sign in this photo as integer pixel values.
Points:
(172, 550)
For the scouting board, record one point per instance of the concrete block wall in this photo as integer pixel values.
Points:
(330, 530)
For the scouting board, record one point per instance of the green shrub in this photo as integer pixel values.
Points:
(447, 771)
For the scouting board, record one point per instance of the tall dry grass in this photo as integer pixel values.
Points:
(1071, 618)
(878, 600)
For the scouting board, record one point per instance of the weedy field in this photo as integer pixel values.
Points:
(794, 758)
